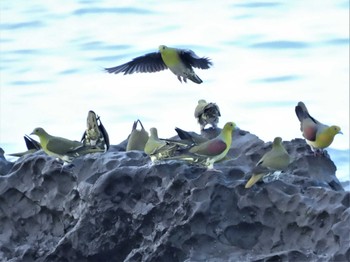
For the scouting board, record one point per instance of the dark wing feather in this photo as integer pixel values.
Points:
(104, 134)
(31, 143)
(302, 113)
(191, 59)
(83, 137)
(148, 63)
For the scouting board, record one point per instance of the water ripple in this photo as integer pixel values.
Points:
(98, 45)
(69, 72)
(281, 44)
(22, 25)
(338, 41)
(276, 79)
(122, 10)
(33, 82)
(258, 4)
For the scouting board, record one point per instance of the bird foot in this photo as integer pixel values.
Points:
(272, 176)
(214, 170)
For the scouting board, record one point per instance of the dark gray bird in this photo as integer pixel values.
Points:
(207, 113)
(95, 133)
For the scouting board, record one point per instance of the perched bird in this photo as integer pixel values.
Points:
(154, 143)
(95, 133)
(316, 134)
(179, 61)
(211, 151)
(207, 113)
(60, 147)
(137, 138)
(32, 146)
(275, 159)
(159, 149)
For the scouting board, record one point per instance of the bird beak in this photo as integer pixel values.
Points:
(340, 132)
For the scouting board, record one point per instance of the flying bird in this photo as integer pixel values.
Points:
(277, 159)
(316, 134)
(207, 113)
(179, 61)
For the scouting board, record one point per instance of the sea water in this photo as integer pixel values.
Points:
(266, 57)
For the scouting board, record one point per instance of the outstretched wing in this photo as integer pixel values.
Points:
(191, 59)
(148, 63)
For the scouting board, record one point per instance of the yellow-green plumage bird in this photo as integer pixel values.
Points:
(207, 113)
(316, 134)
(137, 138)
(154, 143)
(179, 61)
(159, 149)
(275, 159)
(211, 151)
(60, 147)
(95, 133)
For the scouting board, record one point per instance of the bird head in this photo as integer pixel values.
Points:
(229, 126)
(334, 130)
(154, 132)
(277, 140)
(162, 47)
(39, 131)
(202, 101)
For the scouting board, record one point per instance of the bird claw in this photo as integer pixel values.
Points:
(214, 170)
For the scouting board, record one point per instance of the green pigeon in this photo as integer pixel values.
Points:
(316, 134)
(154, 143)
(211, 151)
(207, 114)
(137, 138)
(60, 147)
(95, 133)
(179, 61)
(277, 159)
(32, 146)
(159, 149)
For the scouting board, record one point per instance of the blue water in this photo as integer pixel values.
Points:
(267, 56)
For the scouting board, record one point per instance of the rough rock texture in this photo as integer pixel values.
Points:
(117, 206)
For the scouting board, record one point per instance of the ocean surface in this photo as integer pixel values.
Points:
(267, 56)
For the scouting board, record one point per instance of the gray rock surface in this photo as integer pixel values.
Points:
(117, 206)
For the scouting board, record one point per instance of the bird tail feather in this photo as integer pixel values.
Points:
(253, 180)
(195, 79)
(301, 114)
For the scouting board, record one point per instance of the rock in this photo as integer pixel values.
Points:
(117, 206)
(5, 165)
